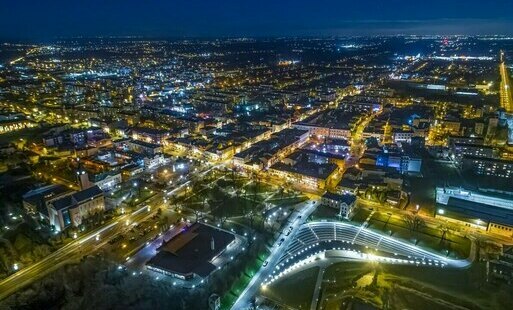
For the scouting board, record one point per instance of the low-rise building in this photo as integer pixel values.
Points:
(36, 200)
(72, 209)
(155, 161)
(145, 148)
(402, 161)
(265, 153)
(150, 135)
(344, 203)
(191, 252)
(474, 209)
(307, 174)
(105, 181)
(333, 123)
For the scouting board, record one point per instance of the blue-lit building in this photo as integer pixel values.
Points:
(401, 161)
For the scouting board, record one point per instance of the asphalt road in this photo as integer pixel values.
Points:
(505, 88)
(245, 298)
(86, 244)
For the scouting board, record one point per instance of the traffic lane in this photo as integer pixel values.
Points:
(83, 245)
(298, 217)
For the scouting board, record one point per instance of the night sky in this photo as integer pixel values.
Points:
(50, 19)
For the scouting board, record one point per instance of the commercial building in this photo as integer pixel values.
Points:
(71, 209)
(307, 174)
(267, 152)
(145, 148)
(459, 150)
(191, 252)
(474, 209)
(334, 124)
(36, 200)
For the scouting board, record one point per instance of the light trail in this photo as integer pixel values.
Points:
(506, 99)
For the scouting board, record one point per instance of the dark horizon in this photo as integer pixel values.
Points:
(34, 21)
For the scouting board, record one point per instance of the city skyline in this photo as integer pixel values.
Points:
(238, 155)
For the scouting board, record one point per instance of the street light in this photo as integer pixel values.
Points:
(15, 267)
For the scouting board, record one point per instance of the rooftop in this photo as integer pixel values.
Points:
(314, 170)
(479, 211)
(77, 198)
(191, 252)
(346, 198)
(337, 119)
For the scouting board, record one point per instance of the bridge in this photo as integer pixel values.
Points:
(341, 240)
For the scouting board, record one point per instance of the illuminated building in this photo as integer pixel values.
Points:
(344, 203)
(477, 210)
(191, 252)
(488, 166)
(70, 210)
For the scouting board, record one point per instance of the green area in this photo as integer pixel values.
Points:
(287, 201)
(237, 288)
(95, 283)
(240, 284)
(228, 195)
(28, 134)
(411, 287)
(295, 291)
(21, 246)
(324, 212)
(439, 239)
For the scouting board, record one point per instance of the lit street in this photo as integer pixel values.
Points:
(278, 248)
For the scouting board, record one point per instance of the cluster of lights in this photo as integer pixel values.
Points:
(321, 255)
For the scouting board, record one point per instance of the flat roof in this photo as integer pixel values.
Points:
(318, 171)
(333, 118)
(475, 210)
(346, 198)
(190, 251)
(145, 144)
